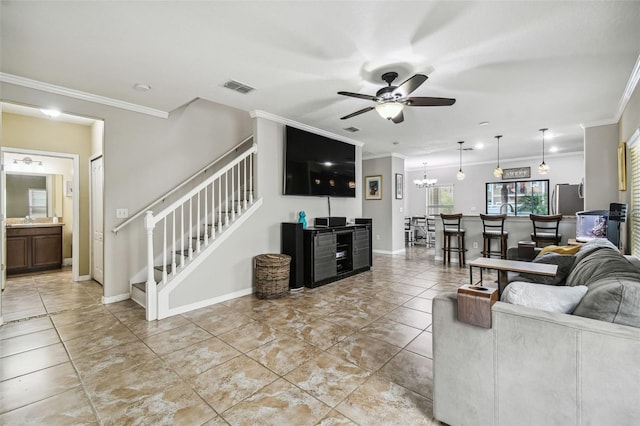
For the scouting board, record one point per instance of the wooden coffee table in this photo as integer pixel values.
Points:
(504, 266)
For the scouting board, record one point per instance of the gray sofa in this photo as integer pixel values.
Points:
(535, 367)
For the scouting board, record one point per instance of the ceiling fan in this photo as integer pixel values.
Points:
(391, 100)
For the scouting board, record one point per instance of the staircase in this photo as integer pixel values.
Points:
(191, 228)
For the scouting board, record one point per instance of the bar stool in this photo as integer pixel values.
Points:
(451, 228)
(545, 229)
(431, 231)
(493, 229)
(409, 232)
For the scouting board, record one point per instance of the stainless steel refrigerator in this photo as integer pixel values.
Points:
(567, 199)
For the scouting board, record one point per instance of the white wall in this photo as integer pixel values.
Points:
(230, 269)
(469, 194)
(601, 161)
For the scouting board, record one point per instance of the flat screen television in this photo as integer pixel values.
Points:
(315, 165)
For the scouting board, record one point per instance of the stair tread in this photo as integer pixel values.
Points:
(140, 286)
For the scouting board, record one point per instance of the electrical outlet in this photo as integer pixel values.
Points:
(122, 213)
(475, 244)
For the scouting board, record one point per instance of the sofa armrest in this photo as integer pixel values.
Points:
(533, 367)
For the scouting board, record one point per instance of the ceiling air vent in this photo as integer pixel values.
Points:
(352, 129)
(238, 87)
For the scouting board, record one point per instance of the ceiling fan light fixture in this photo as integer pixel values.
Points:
(389, 110)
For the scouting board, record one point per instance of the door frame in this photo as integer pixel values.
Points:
(93, 158)
(75, 241)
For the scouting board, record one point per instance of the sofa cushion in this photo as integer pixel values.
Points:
(559, 249)
(601, 263)
(612, 299)
(564, 262)
(544, 297)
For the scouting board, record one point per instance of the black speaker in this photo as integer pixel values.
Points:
(292, 244)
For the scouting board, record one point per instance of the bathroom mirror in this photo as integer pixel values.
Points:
(33, 195)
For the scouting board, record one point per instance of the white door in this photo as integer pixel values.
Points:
(97, 243)
(3, 242)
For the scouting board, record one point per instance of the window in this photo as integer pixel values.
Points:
(439, 200)
(518, 198)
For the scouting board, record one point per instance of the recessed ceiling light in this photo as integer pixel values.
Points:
(553, 149)
(141, 87)
(484, 123)
(479, 145)
(396, 143)
(51, 113)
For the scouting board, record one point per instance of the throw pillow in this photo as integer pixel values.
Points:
(559, 249)
(544, 297)
(564, 262)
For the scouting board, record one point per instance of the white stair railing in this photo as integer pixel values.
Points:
(222, 197)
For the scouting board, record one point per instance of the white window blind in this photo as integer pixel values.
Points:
(634, 213)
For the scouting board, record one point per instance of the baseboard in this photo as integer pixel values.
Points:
(1, 321)
(84, 278)
(116, 298)
(377, 251)
(67, 261)
(207, 302)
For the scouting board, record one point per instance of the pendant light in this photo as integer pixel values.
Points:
(543, 168)
(460, 174)
(497, 172)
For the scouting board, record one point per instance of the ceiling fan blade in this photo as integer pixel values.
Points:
(424, 101)
(410, 85)
(398, 118)
(353, 114)
(358, 95)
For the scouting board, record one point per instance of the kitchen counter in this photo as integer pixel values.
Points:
(33, 225)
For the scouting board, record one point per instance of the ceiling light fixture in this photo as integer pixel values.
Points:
(388, 110)
(497, 172)
(424, 182)
(460, 175)
(51, 113)
(141, 87)
(484, 123)
(543, 168)
(27, 161)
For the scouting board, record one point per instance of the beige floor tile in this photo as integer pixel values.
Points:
(33, 387)
(419, 303)
(284, 354)
(143, 328)
(334, 418)
(411, 317)
(176, 339)
(194, 360)
(226, 385)
(79, 316)
(364, 351)
(177, 405)
(328, 377)
(250, 336)
(322, 334)
(391, 332)
(279, 403)
(380, 402)
(33, 360)
(99, 341)
(27, 342)
(103, 324)
(24, 327)
(219, 322)
(112, 393)
(411, 371)
(114, 359)
(68, 408)
(422, 345)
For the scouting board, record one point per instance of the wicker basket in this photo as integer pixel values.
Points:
(272, 275)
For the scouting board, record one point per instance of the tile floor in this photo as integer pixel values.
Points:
(357, 351)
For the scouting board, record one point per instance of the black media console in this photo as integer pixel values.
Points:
(329, 254)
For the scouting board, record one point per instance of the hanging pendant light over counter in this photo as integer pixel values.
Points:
(497, 172)
(543, 168)
(460, 175)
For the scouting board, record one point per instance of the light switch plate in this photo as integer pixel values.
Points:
(122, 213)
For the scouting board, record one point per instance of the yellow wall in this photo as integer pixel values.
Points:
(25, 132)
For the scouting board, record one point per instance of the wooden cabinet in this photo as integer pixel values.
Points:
(334, 253)
(33, 248)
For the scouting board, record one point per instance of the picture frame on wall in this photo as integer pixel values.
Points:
(622, 166)
(399, 186)
(373, 187)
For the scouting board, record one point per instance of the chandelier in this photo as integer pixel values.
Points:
(424, 182)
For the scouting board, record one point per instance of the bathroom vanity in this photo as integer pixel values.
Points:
(33, 247)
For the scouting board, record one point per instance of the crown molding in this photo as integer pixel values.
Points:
(77, 94)
(628, 91)
(390, 154)
(286, 121)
